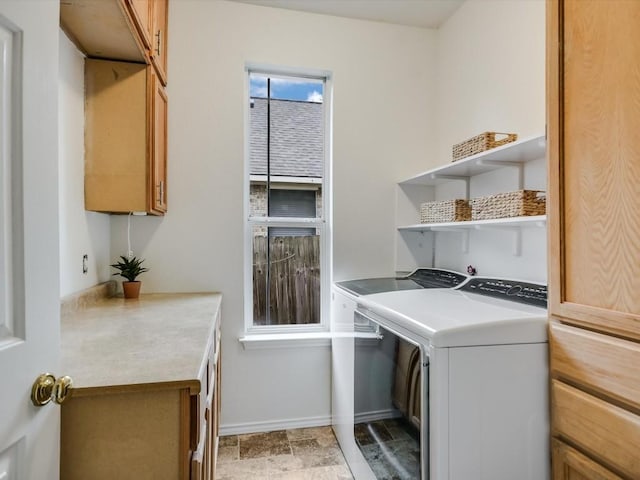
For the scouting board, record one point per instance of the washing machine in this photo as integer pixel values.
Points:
(473, 403)
(349, 337)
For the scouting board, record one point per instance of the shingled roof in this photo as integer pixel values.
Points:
(296, 138)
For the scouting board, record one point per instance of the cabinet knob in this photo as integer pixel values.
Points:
(47, 388)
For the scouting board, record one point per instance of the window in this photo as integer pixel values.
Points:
(287, 184)
(293, 203)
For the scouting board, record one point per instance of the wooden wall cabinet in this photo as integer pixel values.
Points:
(138, 409)
(160, 40)
(125, 138)
(126, 105)
(141, 15)
(131, 30)
(593, 92)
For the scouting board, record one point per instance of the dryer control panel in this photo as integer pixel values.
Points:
(522, 292)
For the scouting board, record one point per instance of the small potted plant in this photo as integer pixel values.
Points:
(130, 268)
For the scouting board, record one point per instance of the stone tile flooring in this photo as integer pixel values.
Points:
(391, 447)
(301, 454)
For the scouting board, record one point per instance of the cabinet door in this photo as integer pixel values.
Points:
(569, 464)
(158, 187)
(593, 92)
(594, 167)
(160, 12)
(140, 11)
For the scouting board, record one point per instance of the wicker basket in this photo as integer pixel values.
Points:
(511, 204)
(445, 211)
(480, 143)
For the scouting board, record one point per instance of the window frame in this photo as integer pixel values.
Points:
(323, 224)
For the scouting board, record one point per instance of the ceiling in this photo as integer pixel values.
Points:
(415, 13)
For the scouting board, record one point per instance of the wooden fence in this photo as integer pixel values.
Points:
(294, 280)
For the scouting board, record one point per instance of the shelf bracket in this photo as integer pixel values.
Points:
(463, 232)
(464, 178)
(515, 230)
(518, 165)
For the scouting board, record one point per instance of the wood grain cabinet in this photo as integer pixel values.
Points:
(160, 40)
(126, 117)
(144, 407)
(141, 13)
(569, 464)
(125, 138)
(593, 89)
(151, 19)
(131, 30)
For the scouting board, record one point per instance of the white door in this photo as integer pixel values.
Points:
(29, 257)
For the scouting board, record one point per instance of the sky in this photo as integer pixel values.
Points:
(287, 88)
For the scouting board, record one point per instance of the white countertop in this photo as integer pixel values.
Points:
(129, 344)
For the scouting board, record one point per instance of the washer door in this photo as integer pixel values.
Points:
(390, 399)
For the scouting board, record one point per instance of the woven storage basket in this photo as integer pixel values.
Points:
(480, 143)
(511, 204)
(445, 211)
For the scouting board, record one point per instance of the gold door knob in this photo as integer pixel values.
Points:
(46, 388)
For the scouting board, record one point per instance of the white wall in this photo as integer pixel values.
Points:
(383, 126)
(491, 77)
(490, 71)
(81, 232)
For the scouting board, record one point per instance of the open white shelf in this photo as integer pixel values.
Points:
(531, 221)
(514, 225)
(512, 155)
(518, 152)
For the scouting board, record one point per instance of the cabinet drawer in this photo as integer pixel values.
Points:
(569, 464)
(604, 431)
(602, 363)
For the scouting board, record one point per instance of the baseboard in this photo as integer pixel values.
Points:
(376, 415)
(288, 424)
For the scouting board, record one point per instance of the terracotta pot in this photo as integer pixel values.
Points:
(131, 289)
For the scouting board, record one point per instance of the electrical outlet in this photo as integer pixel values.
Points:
(85, 264)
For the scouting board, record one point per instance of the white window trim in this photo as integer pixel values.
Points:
(324, 223)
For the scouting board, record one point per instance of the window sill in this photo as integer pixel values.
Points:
(286, 340)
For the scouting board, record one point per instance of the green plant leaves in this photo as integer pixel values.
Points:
(129, 268)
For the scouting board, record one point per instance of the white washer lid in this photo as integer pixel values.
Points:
(453, 318)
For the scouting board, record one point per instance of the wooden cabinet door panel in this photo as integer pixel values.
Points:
(598, 362)
(605, 431)
(160, 13)
(158, 188)
(140, 11)
(594, 167)
(569, 464)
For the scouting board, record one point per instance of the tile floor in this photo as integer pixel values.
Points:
(391, 447)
(301, 454)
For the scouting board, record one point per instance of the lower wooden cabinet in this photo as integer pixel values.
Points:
(569, 464)
(595, 392)
(126, 421)
(153, 434)
(130, 435)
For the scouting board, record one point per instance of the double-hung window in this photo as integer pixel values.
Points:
(287, 201)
